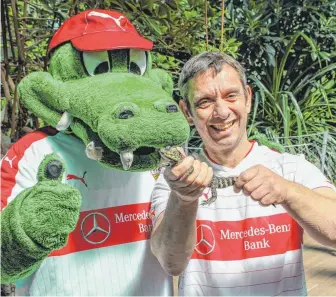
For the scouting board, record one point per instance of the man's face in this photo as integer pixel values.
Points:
(219, 108)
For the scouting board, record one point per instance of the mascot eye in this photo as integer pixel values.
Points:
(137, 61)
(96, 62)
(126, 114)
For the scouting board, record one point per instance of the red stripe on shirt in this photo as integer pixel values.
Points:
(249, 151)
(9, 166)
(249, 238)
(114, 226)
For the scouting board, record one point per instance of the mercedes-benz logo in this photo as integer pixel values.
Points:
(95, 228)
(206, 240)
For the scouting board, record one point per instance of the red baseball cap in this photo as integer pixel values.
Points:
(98, 30)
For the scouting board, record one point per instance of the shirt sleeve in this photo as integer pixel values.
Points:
(18, 171)
(310, 176)
(159, 197)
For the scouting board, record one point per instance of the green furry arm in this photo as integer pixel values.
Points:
(37, 221)
(20, 255)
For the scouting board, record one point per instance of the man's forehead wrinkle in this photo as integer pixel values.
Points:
(233, 85)
(205, 90)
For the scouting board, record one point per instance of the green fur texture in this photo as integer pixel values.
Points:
(37, 222)
(97, 104)
(72, 68)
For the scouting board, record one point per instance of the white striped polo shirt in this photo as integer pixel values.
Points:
(114, 259)
(243, 248)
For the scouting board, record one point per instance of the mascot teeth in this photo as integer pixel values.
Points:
(94, 152)
(64, 122)
(126, 159)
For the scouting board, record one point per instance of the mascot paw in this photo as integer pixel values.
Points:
(50, 210)
(37, 221)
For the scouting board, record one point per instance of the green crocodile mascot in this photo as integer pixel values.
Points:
(75, 196)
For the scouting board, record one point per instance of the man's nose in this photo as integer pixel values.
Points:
(221, 109)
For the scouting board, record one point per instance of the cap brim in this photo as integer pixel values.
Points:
(110, 40)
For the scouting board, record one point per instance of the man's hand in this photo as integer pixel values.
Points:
(189, 187)
(173, 237)
(263, 185)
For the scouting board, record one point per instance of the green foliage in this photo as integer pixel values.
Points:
(289, 50)
(177, 28)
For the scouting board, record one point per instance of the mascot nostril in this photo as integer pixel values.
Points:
(172, 108)
(82, 187)
(126, 114)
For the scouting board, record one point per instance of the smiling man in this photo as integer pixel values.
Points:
(240, 244)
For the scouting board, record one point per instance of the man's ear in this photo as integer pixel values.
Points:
(249, 98)
(185, 110)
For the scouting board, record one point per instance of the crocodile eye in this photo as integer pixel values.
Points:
(137, 61)
(126, 114)
(96, 62)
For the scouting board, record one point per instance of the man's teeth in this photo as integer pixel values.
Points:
(94, 152)
(64, 122)
(126, 158)
(223, 127)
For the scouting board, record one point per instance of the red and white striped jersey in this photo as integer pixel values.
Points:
(115, 259)
(243, 248)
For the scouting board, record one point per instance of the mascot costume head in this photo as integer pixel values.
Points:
(101, 86)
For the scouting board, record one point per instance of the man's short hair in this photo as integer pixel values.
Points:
(203, 62)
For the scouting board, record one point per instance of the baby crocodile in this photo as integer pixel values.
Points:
(173, 156)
